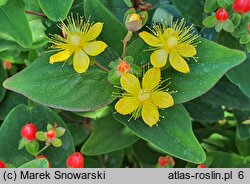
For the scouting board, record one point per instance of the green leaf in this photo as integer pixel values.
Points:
(243, 146)
(10, 135)
(204, 111)
(192, 11)
(57, 142)
(228, 26)
(240, 74)
(39, 163)
(60, 131)
(209, 21)
(227, 94)
(243, 130)
(61, 87)
(173, 135)
(57, 9)
(214, 61)
(32, 147)
(210, 6)
(222, 3)
(128, 3)
(114, 159)
(96, 114)
(78, 132)
(98, 12)
(236, 18)
(14, 24)
(3, 76)
(10, 100)
(245, 39)
(22, 143)
(105, 131)
(49, 127)
(41, 136)
(2, 2)
(220, 159)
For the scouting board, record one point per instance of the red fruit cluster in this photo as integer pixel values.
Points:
(29, 132)
(75, 160)
(221, 15)
(164, 161)
(201, 166)
(2, 164)
(123, 66)
(51, 134)
(241, 6)
(42, 156)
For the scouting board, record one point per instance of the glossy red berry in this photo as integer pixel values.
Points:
(42, 156)
(29, 132)
(164, 161)
(201, 166)
(51, 134)
(221, 15)
(2, 164)
(241, 6)
(75, 160)
(123, 66)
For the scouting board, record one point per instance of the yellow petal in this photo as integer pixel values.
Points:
(162, 99)
(159, 58)
(178, 63)
(186, 50)
(94, 31)
(151, 79)
(80, 61)
(130, 83)
(150, 113)
(94, 48)
(150, 39)
(60, 56)
(127, 105)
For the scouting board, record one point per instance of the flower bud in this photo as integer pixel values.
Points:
(133, 22)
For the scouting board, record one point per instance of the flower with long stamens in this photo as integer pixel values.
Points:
(79, 42)
(143, 99)
(173, 44)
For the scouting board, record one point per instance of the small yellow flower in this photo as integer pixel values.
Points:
(79, 42)
(174, 43)
(143, 100)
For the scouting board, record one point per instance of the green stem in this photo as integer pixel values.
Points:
(44, 148)
(125, 42)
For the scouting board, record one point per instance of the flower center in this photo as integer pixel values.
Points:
(143, 95)
(75, 40)
(172, 42)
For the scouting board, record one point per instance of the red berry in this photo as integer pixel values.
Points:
(123, 66)
(164, 161)
(221, 15)
(7, 65)
(42, 156)
(29, 132)
(201, 166)
(75, 160)
(51, 134)
(2, 164)
(241, 6)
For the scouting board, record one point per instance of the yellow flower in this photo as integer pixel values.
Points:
(143, 100)
(174, 43)
(79, 42)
